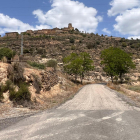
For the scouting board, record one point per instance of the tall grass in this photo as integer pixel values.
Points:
(36, 65)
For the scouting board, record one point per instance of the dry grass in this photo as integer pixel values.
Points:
(132, 92)
(134, 88)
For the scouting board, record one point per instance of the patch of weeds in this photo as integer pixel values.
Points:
(134, 88)
(36, 65)
(73, 47)
(52, 63)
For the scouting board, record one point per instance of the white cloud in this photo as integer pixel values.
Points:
(134, 37)
(119, 6)
(8, 24)
(128, 22)
(68, 11)
(106, 31)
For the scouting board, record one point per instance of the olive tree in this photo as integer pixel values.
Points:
(116, 62)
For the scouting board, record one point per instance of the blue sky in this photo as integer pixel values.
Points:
(119, 18)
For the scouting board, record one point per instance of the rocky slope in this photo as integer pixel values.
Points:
(48, 89)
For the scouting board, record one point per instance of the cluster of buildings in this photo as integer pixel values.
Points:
(42, 32)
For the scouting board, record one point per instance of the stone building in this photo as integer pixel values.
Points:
(70, 26)
(12, 34)
(66, 29)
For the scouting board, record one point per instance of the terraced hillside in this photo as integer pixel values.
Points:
(60, 45)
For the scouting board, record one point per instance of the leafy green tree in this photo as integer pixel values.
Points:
(86, 64)
(76, 30)
(78, 65)
(72, 64)
(6, 52)
(116, 62)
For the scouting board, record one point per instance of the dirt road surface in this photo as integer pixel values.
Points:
(95, 113)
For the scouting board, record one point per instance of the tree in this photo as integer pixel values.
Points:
(6, 52)
(78, 65)
(116, 62)
(72, 64)
(76, 30)
(86, 64)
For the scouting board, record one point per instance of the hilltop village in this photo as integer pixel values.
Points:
(53, 31)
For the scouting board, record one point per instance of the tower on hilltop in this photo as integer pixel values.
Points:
(70, 26)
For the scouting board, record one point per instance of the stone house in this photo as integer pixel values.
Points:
(12, 34)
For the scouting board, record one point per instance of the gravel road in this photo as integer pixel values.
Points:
(95, 113)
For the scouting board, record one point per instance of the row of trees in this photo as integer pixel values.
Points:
(115, 61)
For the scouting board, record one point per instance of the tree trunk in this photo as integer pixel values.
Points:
(121, 77)
(112, 78)
(81, 77)
(75, 78)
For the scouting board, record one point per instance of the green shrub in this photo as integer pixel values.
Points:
(22, 94)
(124, 44)
(90, 46)
(1, 95)
(84, 35)
(132, 46)
(7, 86)
(72, 40)
(26, 51)
(6, 52)
(40, 51)
(36, 65)
(51, 63)
(97, 42)
(73, 47)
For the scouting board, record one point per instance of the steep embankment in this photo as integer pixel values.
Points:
(55, 89)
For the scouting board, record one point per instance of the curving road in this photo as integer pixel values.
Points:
(95, 113)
